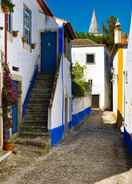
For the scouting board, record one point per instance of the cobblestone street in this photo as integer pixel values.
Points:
(92, 154)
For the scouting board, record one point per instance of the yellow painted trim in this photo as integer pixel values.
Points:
(120, 80)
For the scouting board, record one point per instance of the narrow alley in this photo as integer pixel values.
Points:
(92, 154)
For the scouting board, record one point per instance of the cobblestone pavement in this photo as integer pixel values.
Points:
(92, 154)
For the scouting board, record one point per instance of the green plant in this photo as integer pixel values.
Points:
(9, 4)
(80, 87)
(33, 45)
(24, 39)
(9, 98)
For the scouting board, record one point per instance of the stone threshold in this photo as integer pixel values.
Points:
(4, 155)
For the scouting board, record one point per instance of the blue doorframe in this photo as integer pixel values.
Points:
(48, 52)
(15, 110)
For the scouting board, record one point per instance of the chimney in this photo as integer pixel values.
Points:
(117, 33)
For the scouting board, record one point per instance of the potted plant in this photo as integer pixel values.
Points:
(15, 33)
(24, 39)
(33, 45)
(7, 6)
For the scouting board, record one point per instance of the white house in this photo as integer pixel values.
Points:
(97, 60)
(128, 94)
(39, 58)
(119, 75)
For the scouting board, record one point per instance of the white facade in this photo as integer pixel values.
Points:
(98, 72)
(21, 55)
(63, 91)
(128, 86)
(80, 104)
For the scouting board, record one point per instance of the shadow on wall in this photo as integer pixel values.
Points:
(119, 119)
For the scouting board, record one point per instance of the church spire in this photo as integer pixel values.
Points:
(93, 28)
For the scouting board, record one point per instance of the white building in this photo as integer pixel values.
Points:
(35, 50)
(97, 60)
(128, 94)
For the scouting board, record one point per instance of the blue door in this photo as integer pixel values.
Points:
(15, 110)
(48, 52)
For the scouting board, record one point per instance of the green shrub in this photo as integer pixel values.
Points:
(80, 87)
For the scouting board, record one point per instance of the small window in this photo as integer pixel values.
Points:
(90, 58)
(10, 22)
(27, 24)
(90, 83)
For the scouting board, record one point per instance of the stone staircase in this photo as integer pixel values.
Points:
(34, 128)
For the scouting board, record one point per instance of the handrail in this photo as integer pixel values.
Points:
(55, 82)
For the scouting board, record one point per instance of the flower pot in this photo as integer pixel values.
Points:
(24, 40)
(5, 8)
(15, 33)
(9, 146)
(33, 45)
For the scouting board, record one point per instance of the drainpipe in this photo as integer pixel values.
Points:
(5, 34)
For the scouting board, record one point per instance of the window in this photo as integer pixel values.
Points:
(27, 24)
(90, 83)
(90, 58)
(10, 22)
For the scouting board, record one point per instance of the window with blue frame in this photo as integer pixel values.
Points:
(10, 22)
(27, 24)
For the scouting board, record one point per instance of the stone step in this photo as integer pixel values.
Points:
(41, 115)
(43, 141)
(37, 105)
(41, 90)
(35, 123)
(41, 75)
(32, 134)
(33, 128)
(36, 112)
(28, 120)
(40, 95)
(42, 84)
(33, 118)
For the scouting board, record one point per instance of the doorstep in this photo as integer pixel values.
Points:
(4, 155)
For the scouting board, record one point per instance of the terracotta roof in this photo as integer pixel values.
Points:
(85, 43)
(45, 7)
(70, 30)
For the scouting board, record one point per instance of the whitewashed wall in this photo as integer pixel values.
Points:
(80, 104)
(128, 85)
(115, 86)
(20, 55)
(63, 90)
(95, 72)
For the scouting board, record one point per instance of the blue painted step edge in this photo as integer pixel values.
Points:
(79, 117)
(28, 95)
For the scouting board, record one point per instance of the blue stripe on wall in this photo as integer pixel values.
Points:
(79, 117)
(57, 134)
(28, 95)
(128, 141)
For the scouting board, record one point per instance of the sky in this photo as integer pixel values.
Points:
(79, 12)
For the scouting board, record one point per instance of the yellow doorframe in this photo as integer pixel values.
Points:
(120, 86)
